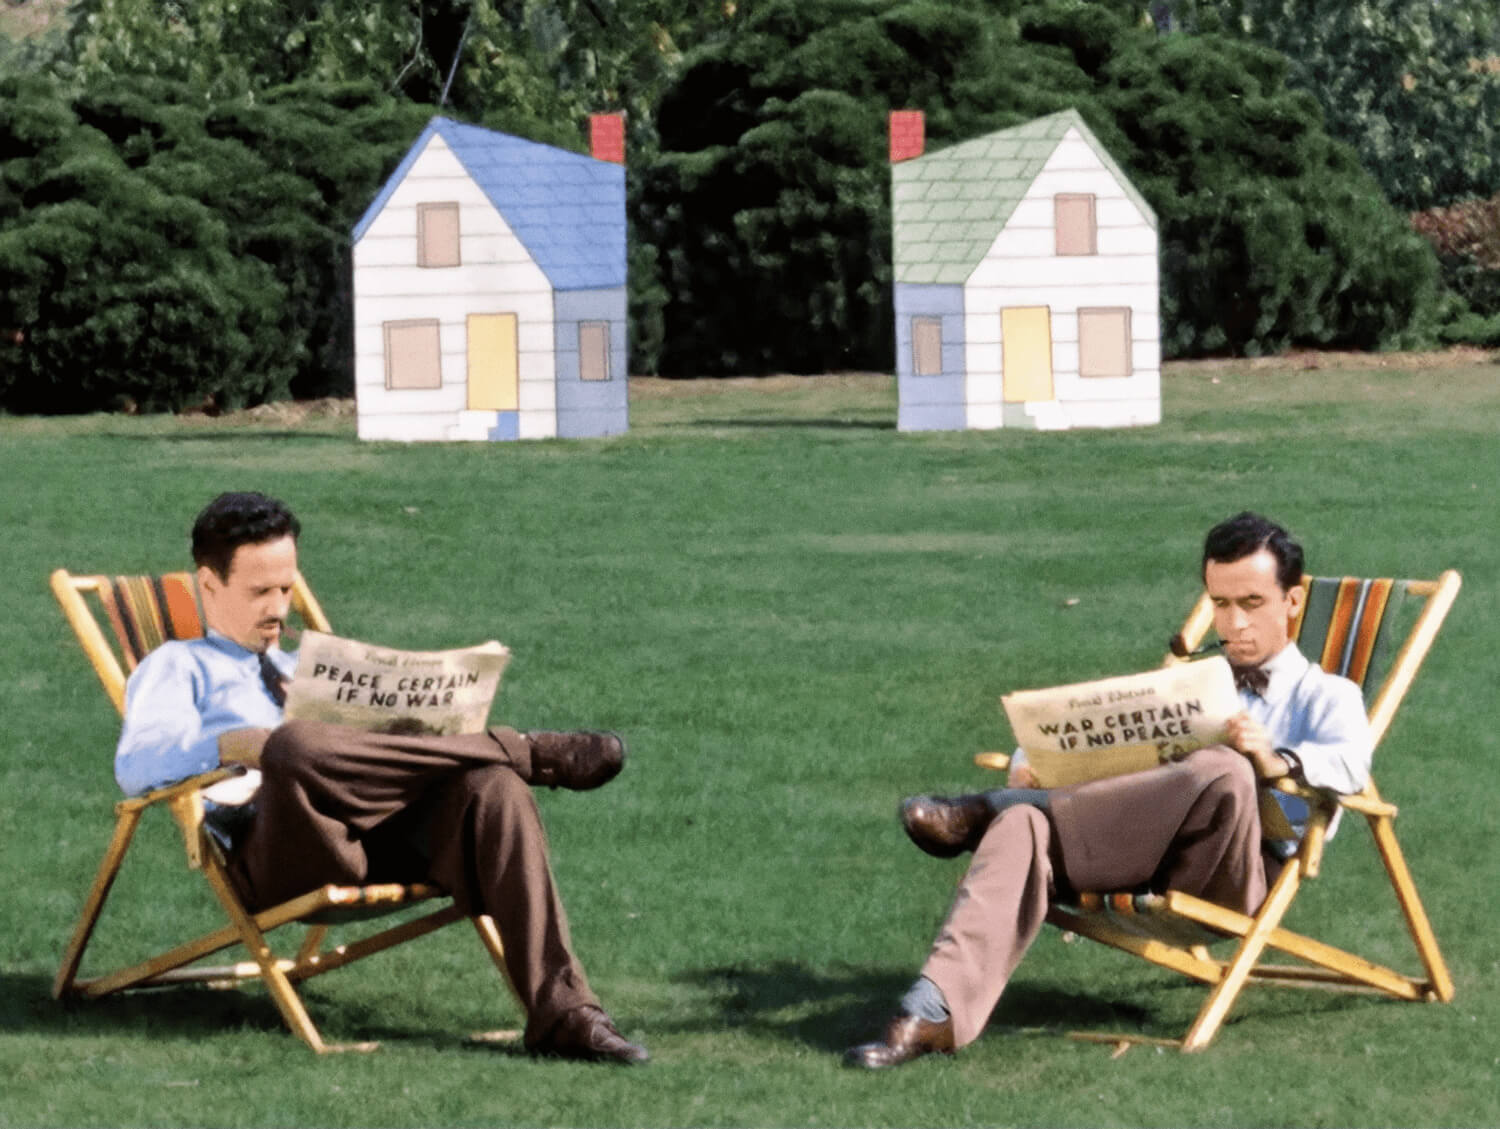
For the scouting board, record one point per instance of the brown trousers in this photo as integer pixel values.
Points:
(338, 805)
(1192, 825)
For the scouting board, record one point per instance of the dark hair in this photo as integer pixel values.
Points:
(1247, 533)
(235, 519)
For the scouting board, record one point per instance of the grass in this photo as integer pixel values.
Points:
(797, 616)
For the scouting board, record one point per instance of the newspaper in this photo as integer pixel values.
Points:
(420, 693)
(1090, 730)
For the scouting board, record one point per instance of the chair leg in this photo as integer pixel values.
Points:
(1439, 979)
(489, 936)
(1224, 993)
(282, 993)
(93, 905)
(307, 955)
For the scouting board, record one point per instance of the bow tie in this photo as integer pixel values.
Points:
(272, 679)
(1251, 678)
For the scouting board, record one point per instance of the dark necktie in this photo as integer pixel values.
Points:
(272, 678)
(1251, 678)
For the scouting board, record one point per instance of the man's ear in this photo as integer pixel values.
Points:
(208, 580)
(1294, 597)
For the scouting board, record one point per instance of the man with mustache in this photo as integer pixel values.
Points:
(339, 805)
(1192, 825)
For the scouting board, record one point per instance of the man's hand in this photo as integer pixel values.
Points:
(242, 746)
(1247, 736)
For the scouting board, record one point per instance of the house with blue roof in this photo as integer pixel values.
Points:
(1026, 283)
(489, 290)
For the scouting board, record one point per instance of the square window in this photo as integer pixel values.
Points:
(1104, 342)
(437, 235)
(927, 346)
(1077, 230)
(413, 354)
(593, 350)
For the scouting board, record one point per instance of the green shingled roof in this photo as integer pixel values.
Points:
(948, 206)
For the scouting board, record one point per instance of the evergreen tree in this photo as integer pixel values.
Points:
(115, 290)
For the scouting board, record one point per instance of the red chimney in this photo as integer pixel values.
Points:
(607, 137)
(908, 135)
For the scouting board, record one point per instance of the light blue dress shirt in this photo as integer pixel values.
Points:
(1320, 719)
(184, 695)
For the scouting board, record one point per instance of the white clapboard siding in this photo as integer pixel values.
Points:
(496, 275)
(1022, 268)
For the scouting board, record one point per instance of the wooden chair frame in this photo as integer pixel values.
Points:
(317, 909)
(1172, 929)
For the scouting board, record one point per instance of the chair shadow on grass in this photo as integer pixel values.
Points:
(830, 1011)
(834, 1010)
(26, 1004)
(194, 1013)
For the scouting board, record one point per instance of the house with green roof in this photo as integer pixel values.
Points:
(489, 289)
(1026, 281)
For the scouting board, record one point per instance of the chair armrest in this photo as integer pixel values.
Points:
(1357, 801)
(172, 791)
(1367, 805)
(185, 801)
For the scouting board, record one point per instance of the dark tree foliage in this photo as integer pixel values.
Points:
(768, 205)
(325, 151)
(115, 289)
(160, 250)
(1272, 233)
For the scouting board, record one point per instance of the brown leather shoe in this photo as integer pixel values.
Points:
(579, 761)
(946, 826)
(588, 1034)
(906, 1037)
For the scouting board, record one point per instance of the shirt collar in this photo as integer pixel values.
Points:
(1284, 670)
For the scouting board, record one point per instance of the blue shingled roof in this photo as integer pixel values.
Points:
(568, 210)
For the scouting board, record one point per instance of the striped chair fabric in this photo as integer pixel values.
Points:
(1350, 627)
(146, 611)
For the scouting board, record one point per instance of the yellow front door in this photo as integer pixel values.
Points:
(1026, 353)
(494, 365)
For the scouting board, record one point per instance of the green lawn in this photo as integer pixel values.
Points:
(796, 615)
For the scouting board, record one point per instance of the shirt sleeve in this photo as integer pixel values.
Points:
(1335, 744)
(162, 740)
(1018, 759)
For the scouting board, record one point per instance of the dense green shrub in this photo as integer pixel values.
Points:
(115, 289)
(1272, 234)
(325, 150)
(161, 250)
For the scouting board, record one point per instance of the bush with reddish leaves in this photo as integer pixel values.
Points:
(1466, 237)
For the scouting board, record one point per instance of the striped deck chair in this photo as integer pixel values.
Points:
(119, 620)
(1376, 633)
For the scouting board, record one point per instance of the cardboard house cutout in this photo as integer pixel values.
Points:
(1026, 286)
(489, 290)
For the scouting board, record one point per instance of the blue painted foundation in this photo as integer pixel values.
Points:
(935, 402)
